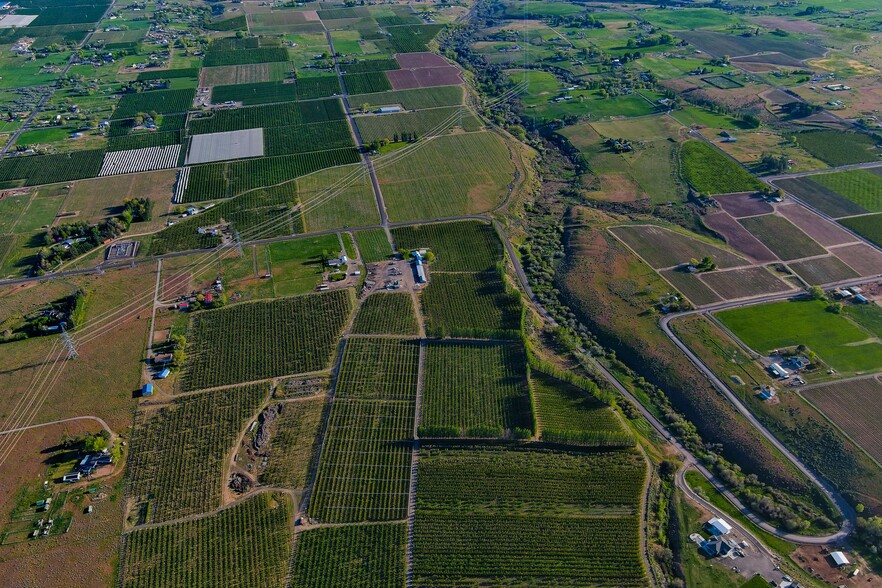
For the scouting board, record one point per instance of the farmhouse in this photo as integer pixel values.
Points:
(717, 547)
(778, 371)
(839, 559)
(766, 393)
(338, 262)
(717, 527)
(797, 362)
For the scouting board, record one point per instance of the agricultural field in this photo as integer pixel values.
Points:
(276, 115)
(363, 555)
(465, 246)
(178, 451)
(664, 248)
(373, 244)
(284, 336)
(823, 270)
(563, 407)
(854, 407)
(475, 389)
(838, 148)
(245, 545)
(711, 172)
(863, 187)
(782, 237)
(337, 197)
(818, 196)
(691, 286)
(476, 519)
(868, 227)
(416, 99)
(422, 123)
(161, 101)
(378, 369)
(475, 305)
(386, 314)
(453, 175)
(293, 447)
(838, 341)
(364, 468)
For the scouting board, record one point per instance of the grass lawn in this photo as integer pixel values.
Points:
(697, 570)
(447, 176)
(838, 341)
(861, 186)
(711, 172)
(297, 264)
(693, 115)
(43, 136)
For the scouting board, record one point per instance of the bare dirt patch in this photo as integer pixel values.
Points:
(417, 60)
(739, 238)
(744, 204)
(744, 283)
(426, 77)
(863, 258)
(822, 231)
(815, 559)
(787, 24)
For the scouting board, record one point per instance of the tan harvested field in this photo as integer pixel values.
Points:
(819, 229)
(745, 283)
(96, 199)
(85, 555)
(103, 380)
(751, 146)
(424, 77)
(791, 25)
(744, 204)
(244, 74)
(856, 406)
(823, 270)
(663, 248)
(739, 238)
(865, 259)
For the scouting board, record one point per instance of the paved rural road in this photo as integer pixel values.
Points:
(867, 165)
(98, 420)
(841, 504)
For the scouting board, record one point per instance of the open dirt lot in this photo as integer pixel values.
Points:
(744, 283)
(739, 238)
(744, 204)
(416, 60)
(863, 258)
(425, 77)
(822, 231)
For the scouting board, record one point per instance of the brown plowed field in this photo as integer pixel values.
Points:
(819, 229)
(856, 406)
(743, 283)
(425, 77)
(661, 248)
(739, 238)
(416, 60)
(745, 204)
(823, 270)
(862, 258)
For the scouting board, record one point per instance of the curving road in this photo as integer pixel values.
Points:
(848, 513)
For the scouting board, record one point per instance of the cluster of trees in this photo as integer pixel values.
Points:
(663, 39)
(774, 163)
(619, 145)
(706, 264)
(136, 210)
(579, 21)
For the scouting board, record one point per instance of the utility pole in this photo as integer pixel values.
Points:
(68, 343)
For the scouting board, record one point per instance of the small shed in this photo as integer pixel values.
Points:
(147, 390)
(839, 559)
(163, 374)
(717, 526)
(778, 371)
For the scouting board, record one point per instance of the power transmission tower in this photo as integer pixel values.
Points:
(68, 343)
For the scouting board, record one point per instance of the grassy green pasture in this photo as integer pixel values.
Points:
(447, 176)
(838, 148)
(690, 18)
(297, 264)
(337, 197)
(711, 172)
(422, 123)
(838, 341)
(862, 187)
(696, 116)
